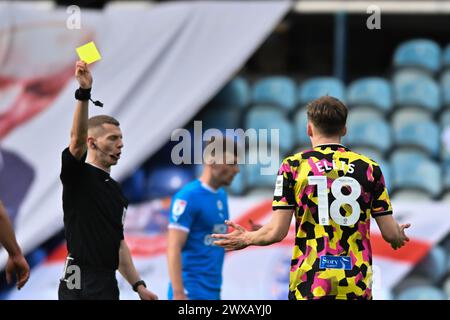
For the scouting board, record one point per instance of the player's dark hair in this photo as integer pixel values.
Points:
(328, 115)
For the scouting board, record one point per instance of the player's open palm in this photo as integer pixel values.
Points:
(403, 237)
(235, 240)
(83, 75)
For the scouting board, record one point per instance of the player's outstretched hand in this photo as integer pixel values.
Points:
(236, 240)
(401, 241)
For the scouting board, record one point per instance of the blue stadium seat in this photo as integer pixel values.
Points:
(316, 87)
(414, 170)
(166, 181)
(446, 169)
(300, 123)
(372, 92)
(267, 118)
(419, 133)
(444, 118)
(445, 86)
(422, 293)
(412, 89)
(446, 56)
(255, 179)
(367, 129)
(134, 187)
(445, 135)
(230, 118)
(278, 91)
(236, 93)
(434, 265)
(420, 53)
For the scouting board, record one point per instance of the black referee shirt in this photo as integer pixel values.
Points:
(94, 210)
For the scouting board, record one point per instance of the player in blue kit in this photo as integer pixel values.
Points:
(198, 210)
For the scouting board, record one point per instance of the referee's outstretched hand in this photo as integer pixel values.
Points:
(146, 294)
(17, 267)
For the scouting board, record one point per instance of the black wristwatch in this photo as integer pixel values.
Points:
(137, 284)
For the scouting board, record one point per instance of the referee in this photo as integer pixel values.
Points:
(94, 207)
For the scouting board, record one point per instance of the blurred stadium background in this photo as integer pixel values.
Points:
(396, 82)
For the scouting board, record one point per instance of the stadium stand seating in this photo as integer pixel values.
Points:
(370, 92)
(278, 91)
(409, 168)
(418, 53)
(270, 117)
(419, 133)
(413, 89)
(316, 87)
(236, 94)
(365, 128)
(446, 57)
(445, 84)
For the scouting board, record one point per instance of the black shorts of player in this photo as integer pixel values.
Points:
(94, 285)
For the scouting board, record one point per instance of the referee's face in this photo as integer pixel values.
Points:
(110, 145)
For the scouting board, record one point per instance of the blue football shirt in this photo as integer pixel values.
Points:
(200, 211)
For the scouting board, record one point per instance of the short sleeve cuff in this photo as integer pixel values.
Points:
(178, 227)
(381, 213)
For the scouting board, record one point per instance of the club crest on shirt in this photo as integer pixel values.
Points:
(219, 205)
(178, 208)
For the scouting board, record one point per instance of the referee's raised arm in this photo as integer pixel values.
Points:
(79, 132)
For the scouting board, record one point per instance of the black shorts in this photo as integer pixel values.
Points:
(94, 285)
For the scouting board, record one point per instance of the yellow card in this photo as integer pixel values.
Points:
(88, 53)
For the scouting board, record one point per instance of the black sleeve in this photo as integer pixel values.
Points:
(70, 166)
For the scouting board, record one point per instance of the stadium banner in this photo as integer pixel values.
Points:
(256, 272)
(158, 68)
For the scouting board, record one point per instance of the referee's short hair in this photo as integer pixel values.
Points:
(97, 122)
(328, 115)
